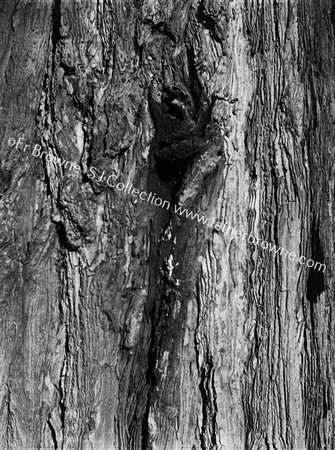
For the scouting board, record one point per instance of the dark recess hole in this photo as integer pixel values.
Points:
(56, 23)
(63, 240)
(316, 281)
(169, 170)
(176, 112)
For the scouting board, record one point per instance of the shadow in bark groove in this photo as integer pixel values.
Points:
(56, 24)
(209, 22)
(316, 281)
(332, 15)
(209, 406)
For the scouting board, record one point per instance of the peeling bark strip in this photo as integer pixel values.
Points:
(125, 326)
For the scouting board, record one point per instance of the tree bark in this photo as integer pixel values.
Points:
(124, 323)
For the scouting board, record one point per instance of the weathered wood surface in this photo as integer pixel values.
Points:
(124, 325)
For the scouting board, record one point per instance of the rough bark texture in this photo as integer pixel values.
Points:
(125, 325)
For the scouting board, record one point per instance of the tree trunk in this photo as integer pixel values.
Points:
(128, 323)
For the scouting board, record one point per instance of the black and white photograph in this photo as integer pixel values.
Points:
(167, 229)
